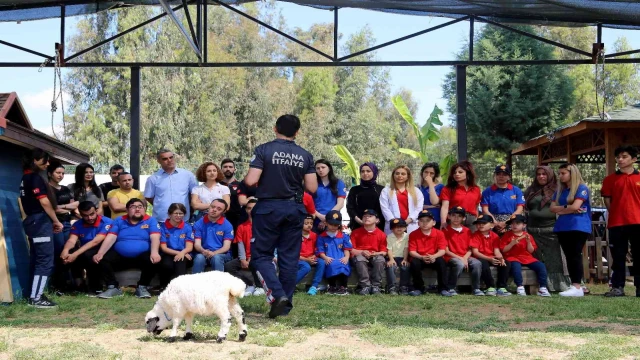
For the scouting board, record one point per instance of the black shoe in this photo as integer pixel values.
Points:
(364, 291)
(342, 291)
(331, 290)
(279, 307)
(404, 290)
(615, 292)
(375, 290)
(42, 303)
(392, 291)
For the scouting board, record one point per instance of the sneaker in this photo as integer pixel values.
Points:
(392, 291)
(249, 291)
(312, 291)
(322, 287)
(342, 291)
(142, 292)
(503, 292)
(375, 291)
(491, 292)
(415, 293)
(110, 292)
(585, 290)
(453, 292)
(544, 292)
(364, 291)
(478, 292)
(572, 292)
(42, 303)
(93, 294)
(331, 290)
(446, 293)
(615, 292)
(404, 290)
(258, 292)
(520, 291)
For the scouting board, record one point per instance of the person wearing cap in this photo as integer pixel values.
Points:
(502, 199)
(400, 199)
(308, 258)
(485, 246)
(364, 196)
(461, 190)
(427, 247)
(368, 254)
(517, 246)
(572, 204)
(398, 255)
(333, 246)
(431, 190)
(458, 252)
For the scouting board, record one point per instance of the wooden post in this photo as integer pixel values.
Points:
(6, 293)
(570, 157)
(610, 143)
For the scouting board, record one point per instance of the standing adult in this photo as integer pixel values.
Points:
(235, 189)
(85, 188)
(401, 200)
(38, 204)
(119, 198)
(572, 204)
(502, 200)
(331, 193)
(114, 172)
(431, 190)
(279, 168)
(621, 192)
(364, 196)
(202, 195)
(461, 190)
(168, 185)
(540, 224)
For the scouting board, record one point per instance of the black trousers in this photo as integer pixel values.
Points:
(621, 237)
(416, 272)
(572, 243)
(84, 262)
(234, 267)
(169, 269)
(339, 280)
(503, 274)
(113, 261)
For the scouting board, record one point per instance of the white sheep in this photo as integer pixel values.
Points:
(207, 293)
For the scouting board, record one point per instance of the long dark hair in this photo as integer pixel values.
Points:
(28, 164)
(79, 188)
(436, 170)
(468, 168)
(333, 180)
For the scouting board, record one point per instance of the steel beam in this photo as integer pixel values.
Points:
(335, 34)
(63, 12)
(176, 21)
(623, 53)
(461, 111)
(205, 33)
(187, 14)
(25, 49)
(134, 127)
(471, 37)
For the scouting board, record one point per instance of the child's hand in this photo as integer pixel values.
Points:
(328, 260)
(404, 262)
(345, 260)
(496, 261)
(391, 263)
(313, 260)
(465, 263)
(366, 253)
(428, 259)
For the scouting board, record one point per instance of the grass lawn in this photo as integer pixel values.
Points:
(352, 327)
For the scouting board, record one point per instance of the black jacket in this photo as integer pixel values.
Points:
(361, 198)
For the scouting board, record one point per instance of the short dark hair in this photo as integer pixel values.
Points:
(226, 161)
(221, 201)
(436, 170)
(133, 201)
(35, 154)
(252, 201)
(632, 150)
(177, 206)
(124, 173)
(288, 125)
(86, 206)
(116, 167)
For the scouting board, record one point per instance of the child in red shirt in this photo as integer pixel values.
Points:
(426, 248)
(308, 256)
(458, 253)
(368, 254)
(485, 246)
(517, 246)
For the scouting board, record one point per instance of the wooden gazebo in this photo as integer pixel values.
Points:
(591, 140)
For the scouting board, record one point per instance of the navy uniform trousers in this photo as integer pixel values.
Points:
(277, 224)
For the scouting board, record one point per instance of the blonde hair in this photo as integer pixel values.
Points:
(574, 182)
(408, 185)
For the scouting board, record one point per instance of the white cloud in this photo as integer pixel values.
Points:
(38, 101)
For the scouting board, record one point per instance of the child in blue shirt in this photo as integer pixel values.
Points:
(176, 244)
(333, 247)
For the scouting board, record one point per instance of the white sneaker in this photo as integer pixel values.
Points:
(544, 292)
(572, 292)
(259, 292)
(520, 291)
(249, 291)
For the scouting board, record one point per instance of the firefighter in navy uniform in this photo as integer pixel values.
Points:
(279, 168)
(38, 204)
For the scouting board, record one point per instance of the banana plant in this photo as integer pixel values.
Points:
(351, 166)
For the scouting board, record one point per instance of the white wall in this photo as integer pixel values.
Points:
(101, 179)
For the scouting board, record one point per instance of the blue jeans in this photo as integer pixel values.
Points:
(61, 238)
(538, 267)
(303, 269)
(392, 281)
(216, 262)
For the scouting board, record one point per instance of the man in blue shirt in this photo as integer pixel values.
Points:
(502, 200)
(132, 242)
(213, 236)
(278, 168)
(168, 185)
(88, 233)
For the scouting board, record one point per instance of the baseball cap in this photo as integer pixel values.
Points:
(457, 210)
(483, 219)
(502, 169)
(333, 217)
(394, 223)
(370, 212)
(425, 213)
(519, 218)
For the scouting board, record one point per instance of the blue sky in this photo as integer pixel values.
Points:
(35, 89)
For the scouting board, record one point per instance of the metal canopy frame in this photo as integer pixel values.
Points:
(196, 37)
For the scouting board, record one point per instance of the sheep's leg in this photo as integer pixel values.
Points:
(238, 314)
(188, 319)
(225, 323)
(174, 329)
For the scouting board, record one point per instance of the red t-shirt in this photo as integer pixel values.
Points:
(403, 203)
(485, 244)
(308, 247)
(468, 199)
(307, 201)
(624, 192)
(427, 244)
(375, 241)
(519, 251)
(243, 234)
(458, 242)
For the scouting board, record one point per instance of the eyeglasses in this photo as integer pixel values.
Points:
(136, 207)
(178, 214)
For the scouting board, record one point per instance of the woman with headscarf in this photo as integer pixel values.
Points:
(364, 196)
(540, 223)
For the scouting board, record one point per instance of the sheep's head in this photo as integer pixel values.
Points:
(156, 320)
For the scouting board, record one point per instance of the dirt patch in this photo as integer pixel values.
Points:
(611, 328)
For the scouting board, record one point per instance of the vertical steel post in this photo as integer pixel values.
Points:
(461, 119)
(599, 28)
(335, 33)
(199, 25)
(204, 32)
(134, 124)
(63, 12)
(471, 37)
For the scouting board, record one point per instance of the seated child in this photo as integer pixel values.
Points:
(369, 249)
(426, 247)
(458, 253)
(517, 246)
(308, 256)
(485, 246)
(333, 247)
(398, 255)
